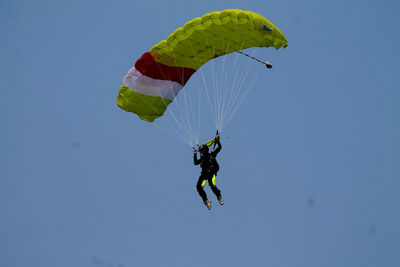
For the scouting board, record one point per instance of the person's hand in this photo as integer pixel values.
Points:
(217, 137)
(194, 151)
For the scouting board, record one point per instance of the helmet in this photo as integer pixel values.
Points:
(203, 147)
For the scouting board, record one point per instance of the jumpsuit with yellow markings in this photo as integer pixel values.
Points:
(209, 169)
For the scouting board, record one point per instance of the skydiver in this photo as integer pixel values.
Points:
(209, 168)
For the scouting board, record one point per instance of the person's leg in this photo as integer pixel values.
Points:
(200, 184)
(213, 185)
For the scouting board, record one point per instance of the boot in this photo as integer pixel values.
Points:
(208, 204)
(221, 201)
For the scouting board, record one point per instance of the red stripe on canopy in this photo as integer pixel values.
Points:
(153, 69)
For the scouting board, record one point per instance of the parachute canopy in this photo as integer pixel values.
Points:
(158, 76)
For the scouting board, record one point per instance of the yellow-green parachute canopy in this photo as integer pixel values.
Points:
(160, 74)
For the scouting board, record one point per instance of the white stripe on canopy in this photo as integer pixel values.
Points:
(148, 86)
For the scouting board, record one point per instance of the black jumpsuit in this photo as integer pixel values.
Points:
(209, 168)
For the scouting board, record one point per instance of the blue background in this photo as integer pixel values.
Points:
(310, 176)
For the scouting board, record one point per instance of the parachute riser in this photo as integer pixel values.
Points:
(217, 133)
(209, 143)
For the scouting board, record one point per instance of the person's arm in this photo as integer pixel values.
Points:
(195, 160)
(219, 146)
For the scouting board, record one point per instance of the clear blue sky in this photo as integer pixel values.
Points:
(310, 175)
